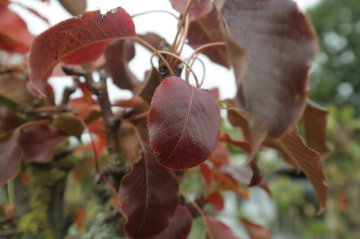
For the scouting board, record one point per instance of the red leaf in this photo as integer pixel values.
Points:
(184, 124)
(218, 230)
(180, 225)
(220, 156)
(280, 43)
(149, 196)
(38, 141)
(207, 174)
(209, 29)
(74, 7)
(14, 35)
(117, 56)
(217, 200)
(198, 9)
(10, 157)
(303, 158)
(255, 231)
(75, 41)
(315, 119)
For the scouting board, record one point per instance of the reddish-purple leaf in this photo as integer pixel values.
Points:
(10, 157)
(180, 225)
(315, 119)
(255, 231)
(198, 9)
(209, 29)
(117, 56)
(217, 200)
(14, 35)
(75, 41)
(149, 196)
(184, 124)
(74, 7)
(207, 174)
(280, 43)
(38, 141)
(305, 159)
(218, 230)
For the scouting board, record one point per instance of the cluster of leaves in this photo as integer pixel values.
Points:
(174, 126)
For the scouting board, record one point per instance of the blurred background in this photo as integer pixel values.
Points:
(291, 212)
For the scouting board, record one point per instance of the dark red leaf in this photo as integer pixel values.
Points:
(10, 157)
(184, 124)
(153, 39)
(117, 56)
(218, 230)
(152, 81)
(38, 141)
(305, 159)
(207, 174)
(74, 7)
(280, 43)
(255, 231)
(149, 196)
(315, 119)
(198, 9)
(14, 35)
(75, 41)
(220, 156)
(180, 225)
(217, 200)
(209, 29)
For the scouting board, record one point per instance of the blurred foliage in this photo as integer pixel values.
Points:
(336, 84)
(336, 75)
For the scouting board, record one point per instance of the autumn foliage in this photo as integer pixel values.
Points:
(143, 149)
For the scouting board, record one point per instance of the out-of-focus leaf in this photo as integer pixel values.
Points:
(14, 35)
(315, 118)
(117, 55)
(238, 118)
(10, 157)
(209, 29)
(217, 200)
(220, 156)
(280, 43)
(184, 124)
(69, 124)
(207, 174)
(218, 230)
(180, 225)
(305, 159)
(38, 141)
(152, 81)
(75, 41)
(198, 9)
(153, 39)
(149, 196)
(255, 231)
(75, 8)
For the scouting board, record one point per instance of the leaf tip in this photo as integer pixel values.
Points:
(35, 89)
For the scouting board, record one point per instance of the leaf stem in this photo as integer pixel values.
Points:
(155, 51)
(155, 11)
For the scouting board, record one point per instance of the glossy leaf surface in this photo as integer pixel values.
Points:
(184, 124)
(149, 196)
(305, 159)
(218, 230)
(75, 41)
(180, 225)
(280, 44)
